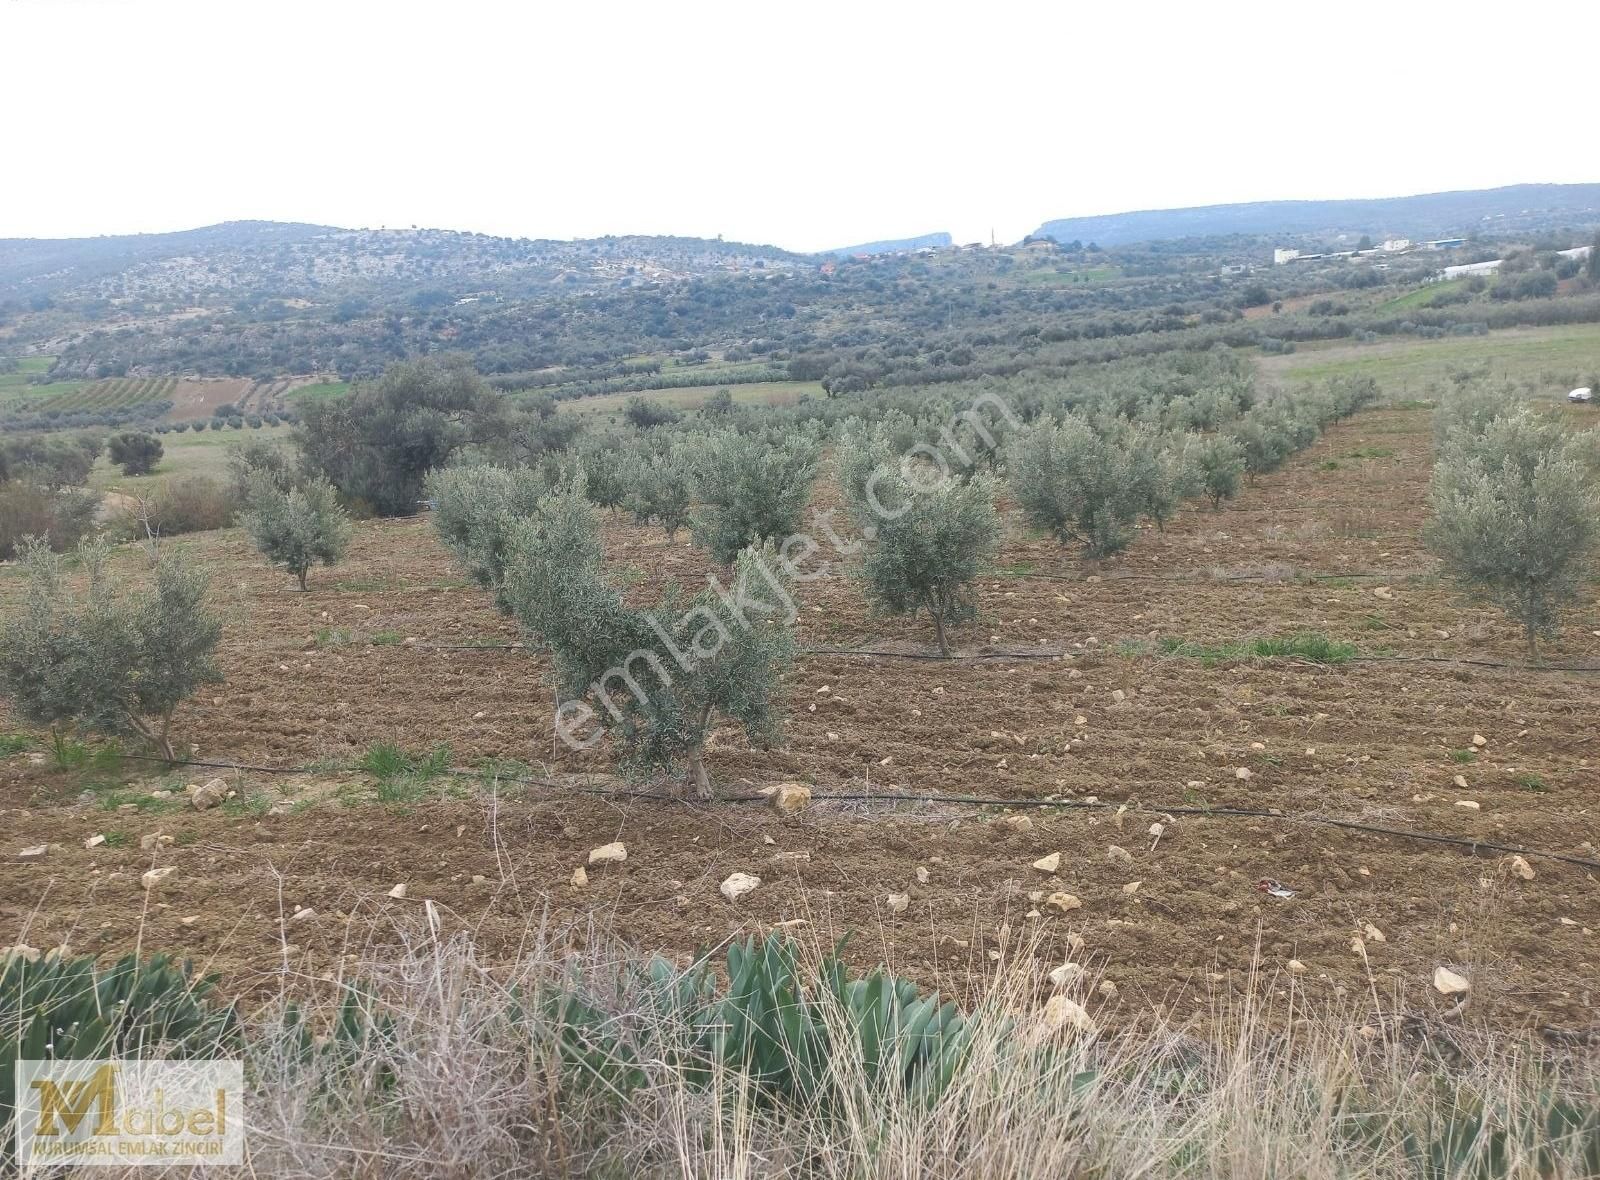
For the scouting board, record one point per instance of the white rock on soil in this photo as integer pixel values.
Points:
(1373, 933)
(209, 794)
(1296, 967)
(155, 877)
(94, 841)
(1066, 975)
(36, 852)
(1060, 1012)
(738, 884)
(1479, 740)
(791, 798)
(1119, 855)
(608, 853)
(580, 877)
(1048, 864)
(1065, 902)
(1522, 868)
(1468, 804)
(398, 892)
(897, 902)
(1447, 982)
(1016, 823)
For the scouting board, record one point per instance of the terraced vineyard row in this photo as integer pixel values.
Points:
(113, 393)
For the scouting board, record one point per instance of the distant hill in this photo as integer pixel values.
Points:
(1516, 208)
(275, 260)
(897, 246)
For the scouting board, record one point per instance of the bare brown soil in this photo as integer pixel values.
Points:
(199, 397)
(1368, 741)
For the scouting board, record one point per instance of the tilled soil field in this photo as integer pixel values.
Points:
(1060, 696)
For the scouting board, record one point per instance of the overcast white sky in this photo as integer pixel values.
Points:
(803, 125)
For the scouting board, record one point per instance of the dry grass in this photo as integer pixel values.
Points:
(473, 1075)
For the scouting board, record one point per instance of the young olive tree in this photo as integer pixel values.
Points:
(655, 680)
(1164, 473)
(752, 487)
(296, 528)
(1516, 519)
(1219, 464)
(656, 484)
(931, 534)
(474, 509)
(1078, 481)
(109, 659)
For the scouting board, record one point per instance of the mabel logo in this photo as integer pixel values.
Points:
(123, 1112)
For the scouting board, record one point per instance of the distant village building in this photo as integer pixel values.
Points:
(1280, 256)
(1471, 268)
(1396, 245)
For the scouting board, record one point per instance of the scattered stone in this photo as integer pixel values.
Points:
(21, 951)
(1061, 1012)
(155, 877)
(1522, 868)
(1048, 864)
(580, 877)
(791, 798)
(306, 915)
(1066, 975)
(1075, 941)
(1460, 781)
(1296, 967)
(189, 920)
(1132, 887)
(1119, 855)
(1382, 592)
(608, 853)
(1244, 774)
(738, 884)
(1118, 695)
(1016, 823)
(398, 892)
(1065, 902)
(209, 794)
(151, 841)
(1480, 742)
(922, 875)
(94, 841)
(36, 852)
(1373, 933)
(1447, 982)
(1469, 804)
(897, 902)
(1107, 989)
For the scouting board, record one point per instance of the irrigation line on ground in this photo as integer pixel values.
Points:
(957, 800)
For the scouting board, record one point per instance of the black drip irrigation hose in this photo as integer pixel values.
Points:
(954, 800)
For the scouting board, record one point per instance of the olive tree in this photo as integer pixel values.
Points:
(136, 452)
(108, 658)
(931, 535)
(1077, 480)
(1219, 464)
(1515, 519)
(296, 528)
(474, 509)
(654, 680)
(752, 487)
(656, 484)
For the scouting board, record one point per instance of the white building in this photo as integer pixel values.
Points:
(1280, 256)
(1396, 245)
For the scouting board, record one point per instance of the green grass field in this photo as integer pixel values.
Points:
(321, 391)
(1553, 359)
(189, 453)
(1425, 295)
(14, 386)
(770, 393)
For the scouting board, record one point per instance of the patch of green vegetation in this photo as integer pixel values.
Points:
(321, 391)
(1531, 782)
(1018, 569)
(255, 805)
(1371, 453)
(1307, 645)
(386, 639)
(1406, 365)
(1463, 756)
(1329, 465)
(13, 743)
(335, 637)
(116, 838)
(385, 760)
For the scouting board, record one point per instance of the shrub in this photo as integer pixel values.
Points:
(932, 535)
(186, 504)
(753, 489)
(298, 527)
(51, 460)
(378, 443)
(63, 518)
(119, 661)
(643, 413)
(1219, 462)
(664, 676)
(257, 456)
(135, 452)
(1514, 519)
